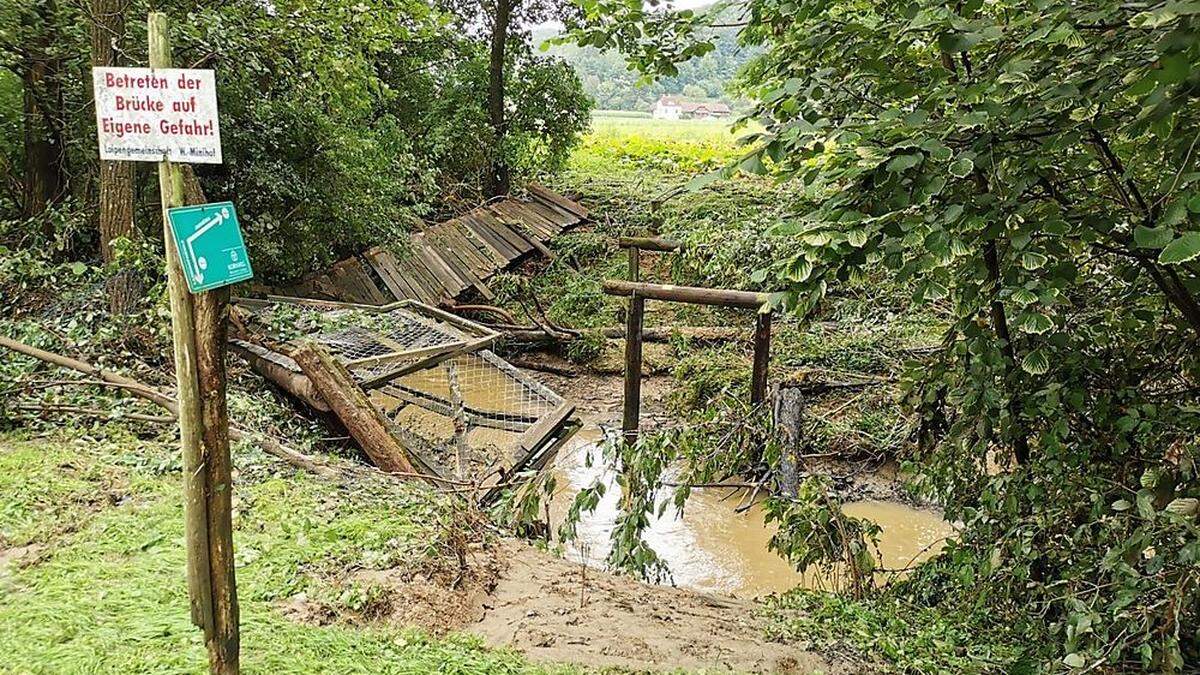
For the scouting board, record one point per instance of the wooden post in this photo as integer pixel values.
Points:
(198, 333)
(633, 354)
(762, 358)
(212, 322)
(187, 385)
(459, 414)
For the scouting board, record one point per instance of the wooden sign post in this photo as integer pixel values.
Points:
(164, 114)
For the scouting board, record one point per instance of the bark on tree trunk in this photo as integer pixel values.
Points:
(788, 413)
(116, 178)
(42, 115)
(498, 178)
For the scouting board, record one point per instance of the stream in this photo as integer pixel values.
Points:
(714, 548)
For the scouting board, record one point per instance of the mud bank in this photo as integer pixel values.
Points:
(554, 610)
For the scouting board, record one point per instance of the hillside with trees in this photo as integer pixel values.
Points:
(613, 85)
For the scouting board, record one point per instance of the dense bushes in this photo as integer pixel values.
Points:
(1030, 170)
(342, 122)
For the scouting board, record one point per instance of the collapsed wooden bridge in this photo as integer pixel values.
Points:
(442, 261)
(415, 386)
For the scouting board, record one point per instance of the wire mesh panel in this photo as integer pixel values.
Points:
(431, 374)
(375, 344)
(499, 403)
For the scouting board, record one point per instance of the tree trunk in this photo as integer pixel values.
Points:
(42, 111)
(498, 178)
(116, 178)
(1000, 324)
(788, 424)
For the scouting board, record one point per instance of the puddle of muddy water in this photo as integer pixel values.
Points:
(713, 548)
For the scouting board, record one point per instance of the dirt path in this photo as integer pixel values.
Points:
(553, 610)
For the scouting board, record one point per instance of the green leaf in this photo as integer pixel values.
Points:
(704, 180)
(753, 164)
(1183, 506)
(1174, 214)
(1035, 362)
(1122, 505)
(857, 238)
(1032, 260)
(1024, 296)
(934, 291)
(962, 167)
(1035, 323)
(1075, 660)
(799, 270)
(1153, 237)
(1183, 249)
(1174, 68)
(902, 163)
(78, 268)
(958, 42)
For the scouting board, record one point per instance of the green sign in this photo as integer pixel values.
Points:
(210, 245)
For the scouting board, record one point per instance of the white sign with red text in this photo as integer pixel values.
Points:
(151, 114)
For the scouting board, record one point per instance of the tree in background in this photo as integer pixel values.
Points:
(343, 123)
(509, 43)
(30, 48)
(1031, 170)
(115, 191)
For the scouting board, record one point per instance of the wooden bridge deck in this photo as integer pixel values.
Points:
(446, 259)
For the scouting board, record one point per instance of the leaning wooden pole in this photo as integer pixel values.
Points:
(205, 447)
(633, 353)
(212, 322)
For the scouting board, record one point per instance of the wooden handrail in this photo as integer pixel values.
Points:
(690, 294)
(650, 244)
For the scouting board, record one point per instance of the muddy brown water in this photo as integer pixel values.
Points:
(714, 548)
(711, 547)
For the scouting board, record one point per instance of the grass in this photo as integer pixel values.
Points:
(105, 590)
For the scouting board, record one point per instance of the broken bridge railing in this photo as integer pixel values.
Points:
(413, 384)
(638, 292)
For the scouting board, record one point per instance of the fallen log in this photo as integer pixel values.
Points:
(346, 399)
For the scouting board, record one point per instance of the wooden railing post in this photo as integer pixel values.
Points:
(633, 354)
(762, 358)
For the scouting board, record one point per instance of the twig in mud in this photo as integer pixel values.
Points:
(696, 486)
(749, 502)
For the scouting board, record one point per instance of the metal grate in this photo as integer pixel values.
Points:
(407, 356)
(498, 402)
(376, 345)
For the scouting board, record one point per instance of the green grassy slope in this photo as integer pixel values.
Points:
(101, 588)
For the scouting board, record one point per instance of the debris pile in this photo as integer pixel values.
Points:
(417, 387)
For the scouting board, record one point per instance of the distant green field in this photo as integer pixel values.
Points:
(719, 131)
(631, 146)
(620, 113)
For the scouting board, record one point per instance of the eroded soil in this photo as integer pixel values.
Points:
(558, 611)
